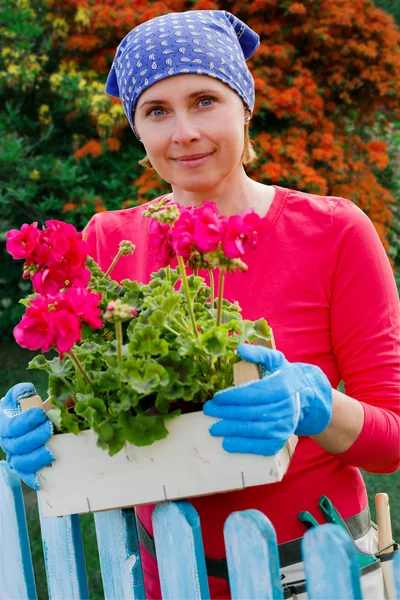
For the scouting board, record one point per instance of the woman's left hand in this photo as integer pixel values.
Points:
(259, 417)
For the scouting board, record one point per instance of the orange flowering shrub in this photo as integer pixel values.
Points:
(322, 71)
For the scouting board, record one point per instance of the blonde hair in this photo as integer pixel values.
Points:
(248, 155)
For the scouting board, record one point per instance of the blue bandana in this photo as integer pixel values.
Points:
(203, 42)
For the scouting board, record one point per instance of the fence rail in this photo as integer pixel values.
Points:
(330, 558)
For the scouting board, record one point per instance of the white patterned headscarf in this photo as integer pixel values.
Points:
(202, 42)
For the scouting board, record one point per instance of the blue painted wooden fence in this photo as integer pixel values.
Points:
(330, 560)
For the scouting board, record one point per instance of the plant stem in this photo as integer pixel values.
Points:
(114, 262)
(220, 293)
(118, 339)
(80, 367)
(168, 273)
(187, 294)
(212, 287)
(196, 271)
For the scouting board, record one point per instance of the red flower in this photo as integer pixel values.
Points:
(241, 234)
(36, 329)
(162, 240)
(182, 234)
(55, 256)
(22, 243)
(56, 321)
(208, 227)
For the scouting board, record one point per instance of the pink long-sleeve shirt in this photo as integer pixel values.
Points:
(322, 280)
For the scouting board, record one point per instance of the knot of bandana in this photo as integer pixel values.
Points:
(202, 42)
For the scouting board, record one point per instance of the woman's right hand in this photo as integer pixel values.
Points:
(23, 434)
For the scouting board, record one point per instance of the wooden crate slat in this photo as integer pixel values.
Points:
(180, 552)
(252, 556)
(64, 557)
(16, 572)
(330, 564)
(118, 545)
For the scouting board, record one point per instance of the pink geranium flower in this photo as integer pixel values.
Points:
(241, 234)
(56, 321)
(182, 234)
(36, 329)
(55, 255)
(208, 227)
(162, 240)
(22, 243)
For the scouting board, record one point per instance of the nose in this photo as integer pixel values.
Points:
(185, 129)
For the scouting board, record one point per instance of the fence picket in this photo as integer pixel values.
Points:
(118, 545)
(180, 553)
(16, 572)
(330, 564)
(396, 573)
(252, 556)
(330, 558)
(64, 558)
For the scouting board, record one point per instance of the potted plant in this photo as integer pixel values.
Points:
(137, 361)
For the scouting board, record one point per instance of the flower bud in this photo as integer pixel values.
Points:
(126, 247)
(153, 208)
(29, 271)
(170, 214)
(119, 311)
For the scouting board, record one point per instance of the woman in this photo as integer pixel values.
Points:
(319, 276)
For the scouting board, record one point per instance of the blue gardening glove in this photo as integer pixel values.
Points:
(259, 417)
(23, 434)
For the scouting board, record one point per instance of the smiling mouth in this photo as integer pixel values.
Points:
(193, 162)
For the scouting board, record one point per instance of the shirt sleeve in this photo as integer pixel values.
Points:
(365, 329)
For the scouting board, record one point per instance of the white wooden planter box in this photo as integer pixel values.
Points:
(189, 462)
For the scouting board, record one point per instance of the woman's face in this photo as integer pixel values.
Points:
(187, 115)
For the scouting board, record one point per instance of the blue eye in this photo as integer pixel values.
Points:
(207, 98)
(200, 100)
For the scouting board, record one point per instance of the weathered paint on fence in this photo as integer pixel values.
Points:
(64, 558)
(396, 567)
(331, 564)
(252, 556)
(330, 559)
(118, 546)
(16, 572)
(180, 553)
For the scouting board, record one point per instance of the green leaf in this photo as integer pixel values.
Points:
(262, 329)
(55, 416)
(106, 381)
(171, 302)
(195, 284)
(58, 391)
(226, 316)
(123, 400)
(215, 341)
(142, 429)
(26, 301)
(158, 319)
(144, 377)
(146, 340)
(90, 408)
(110, 436)
(61, 368)
(162, 274)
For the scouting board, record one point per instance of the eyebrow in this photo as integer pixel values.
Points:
(208, 91)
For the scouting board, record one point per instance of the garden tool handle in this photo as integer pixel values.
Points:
(308, 520)
(385, 536)
(244, 371)
(35, 402)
